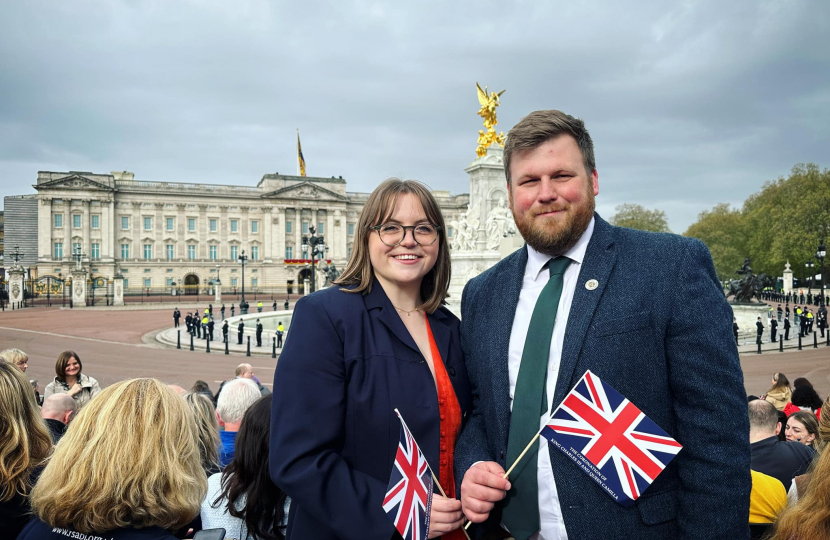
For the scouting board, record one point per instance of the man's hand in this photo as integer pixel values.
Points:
(445, 516)
(482, 487)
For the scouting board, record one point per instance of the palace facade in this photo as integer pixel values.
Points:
(168, 234)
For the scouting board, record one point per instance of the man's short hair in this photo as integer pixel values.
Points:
(540, 126)
(763, 416)
(237, 395)
(57, 405)
(243, 368)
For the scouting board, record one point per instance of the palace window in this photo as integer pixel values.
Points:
(125, 251)
(254, 226)
(76, 248)
(320, 228)
(212, 253)
(148, 223)
(126, 283)
(254, 282)
(234, 252)
(351, 229)
(58, 250)
(289, 227)
(254, 253)
(234, 225)
(96, 221)
(213, 225)
(305, 227)
(234, 282)
(191, 224)
(191, 251)
(148, 282)
(76, 221)
(289, 252)
(169, 249)
(96, 251)
(169, 224)
(148, 251)
(169, 282)
(58, 221)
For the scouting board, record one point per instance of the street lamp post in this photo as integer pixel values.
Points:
(242, 306)
(317, 244)
(820, 254)
(810, 265)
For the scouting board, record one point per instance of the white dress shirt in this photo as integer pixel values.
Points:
(535, 279)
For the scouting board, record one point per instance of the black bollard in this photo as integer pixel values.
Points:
(799, 341)
(274, 348)
(759, 346)
(827, 333)
(249, 346)
(226, 346)
(207, 345)
(815, 341)
(179, 340)
(780, 345)
(191, 342)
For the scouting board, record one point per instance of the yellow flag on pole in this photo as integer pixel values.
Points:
(300, 158)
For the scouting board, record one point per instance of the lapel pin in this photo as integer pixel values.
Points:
(591, 284)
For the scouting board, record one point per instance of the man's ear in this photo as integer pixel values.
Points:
(67, 417)
(222, 424)
(778, 428)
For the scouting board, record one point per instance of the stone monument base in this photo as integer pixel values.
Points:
(747, 315)
(465, 266)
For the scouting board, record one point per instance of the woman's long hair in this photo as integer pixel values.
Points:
(781, 381)
(208, 428)
(246, 482)
(24, 440)
(130, 459)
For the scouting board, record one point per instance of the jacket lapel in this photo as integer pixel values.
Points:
(597, 265)
(388, 316)
(498, 316)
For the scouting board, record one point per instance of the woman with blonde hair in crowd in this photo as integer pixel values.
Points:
(802, 427)
(21, 360)
(208, 428)
(24, 445)
(128, 468)
(69, 380)
(780, 393)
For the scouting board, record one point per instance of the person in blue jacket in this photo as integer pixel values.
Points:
(377, 341)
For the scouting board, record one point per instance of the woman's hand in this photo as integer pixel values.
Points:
(445, 516)
(76, 389)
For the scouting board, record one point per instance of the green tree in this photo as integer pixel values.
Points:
(635, 216)
(722, 230)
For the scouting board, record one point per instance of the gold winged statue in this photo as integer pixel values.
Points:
(489, 101)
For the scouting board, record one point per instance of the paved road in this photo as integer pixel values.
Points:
(111, 349)
(110, 354)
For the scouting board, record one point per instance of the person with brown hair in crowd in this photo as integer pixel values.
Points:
(780, 393)
(128, 468)
(69, 380)
(801, 482)
(24, 446)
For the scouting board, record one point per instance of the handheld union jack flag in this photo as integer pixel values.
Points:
(409, 494)
(614, 443)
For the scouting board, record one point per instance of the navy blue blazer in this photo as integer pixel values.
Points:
(348, 362)
(658, 329)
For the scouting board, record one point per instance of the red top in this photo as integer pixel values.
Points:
(450, 425)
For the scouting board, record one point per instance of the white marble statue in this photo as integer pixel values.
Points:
(498, 225)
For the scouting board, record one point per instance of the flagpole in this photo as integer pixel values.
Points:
(518, 459)
(434, 478)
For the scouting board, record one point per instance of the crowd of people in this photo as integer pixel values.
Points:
(138, 459)
(202, 326)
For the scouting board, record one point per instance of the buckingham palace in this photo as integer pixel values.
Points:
(183, 236)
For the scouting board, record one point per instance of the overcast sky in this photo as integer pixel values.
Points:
(689, 103)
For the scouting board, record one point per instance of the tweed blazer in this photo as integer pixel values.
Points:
(658, 329)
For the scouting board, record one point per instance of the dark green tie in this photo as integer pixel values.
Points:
(521, 508)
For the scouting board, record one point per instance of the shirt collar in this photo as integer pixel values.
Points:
(536, 261)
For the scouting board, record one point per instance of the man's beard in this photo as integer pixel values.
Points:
(552, 238)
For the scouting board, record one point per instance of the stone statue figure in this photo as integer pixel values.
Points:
(749, 285)
(488, 101)
(465, 230)
(331, 274)
(499, 224)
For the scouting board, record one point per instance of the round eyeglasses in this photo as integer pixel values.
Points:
(393, 234)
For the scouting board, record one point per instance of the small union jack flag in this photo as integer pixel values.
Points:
(614, 443)
(409, 494)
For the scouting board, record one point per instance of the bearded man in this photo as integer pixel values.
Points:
(644, 312)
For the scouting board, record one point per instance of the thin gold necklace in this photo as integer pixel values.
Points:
(408, 313)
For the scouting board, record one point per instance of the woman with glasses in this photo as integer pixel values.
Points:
(377, 341)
